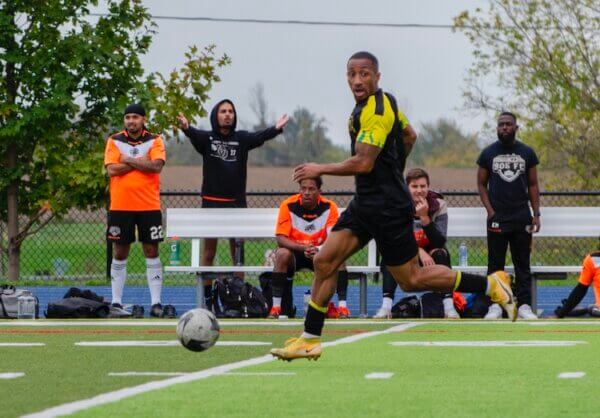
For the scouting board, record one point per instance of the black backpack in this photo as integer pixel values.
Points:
(432, 305)
(227, 292)
(254, 304)
(407, 307)
(287, 299)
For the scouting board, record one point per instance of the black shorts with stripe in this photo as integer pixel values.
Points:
(122, 226)
(391, 228)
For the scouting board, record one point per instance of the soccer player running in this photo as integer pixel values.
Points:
(381, 209)
(134, 159)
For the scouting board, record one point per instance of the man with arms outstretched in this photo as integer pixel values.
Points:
(381, 209)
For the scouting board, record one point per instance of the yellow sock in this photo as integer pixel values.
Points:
(322, 309)
(458, 277)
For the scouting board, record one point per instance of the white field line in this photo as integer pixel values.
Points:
(22, 344)
(162, 343)
(509, 343)
(117, 395)
(13, 375)
(379, 375)
(571, 375)
(168, 374)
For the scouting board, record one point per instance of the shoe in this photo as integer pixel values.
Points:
(501, 293)
(309, 348)
(525, 312)
(449, 309)
(494, 312)
(116, 311)
(156, 310)
(332, 311)
(169, 311)
(137, 311)
(274, 312)
(383, 313)
(343, 312)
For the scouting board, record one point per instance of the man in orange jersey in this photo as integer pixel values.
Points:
(303, 223)
(134, 159)
(590, 276)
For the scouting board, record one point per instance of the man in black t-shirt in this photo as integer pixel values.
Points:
(507, 183)
(224, 166)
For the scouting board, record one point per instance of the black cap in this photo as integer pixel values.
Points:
(136, 108)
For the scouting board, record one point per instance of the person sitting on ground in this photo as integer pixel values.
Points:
(590, 275)
(303, 223)
(430, 230)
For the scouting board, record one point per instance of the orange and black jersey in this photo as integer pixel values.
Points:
(377, 121)
(306, 227)
(136, 190)
(590, 273)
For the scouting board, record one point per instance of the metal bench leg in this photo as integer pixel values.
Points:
(363, 295)
(534, 294)
(200, 301)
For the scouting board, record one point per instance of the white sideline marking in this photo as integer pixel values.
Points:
(571, 375)
(527, 343)
(11, 375)
(22, 344)
(260, 374)
(379, 375)
(117, 395)
(124, 374)
(161, 343)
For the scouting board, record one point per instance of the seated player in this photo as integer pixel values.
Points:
(590, 275)
(303, 223)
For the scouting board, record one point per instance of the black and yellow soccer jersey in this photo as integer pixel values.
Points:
(377, 121)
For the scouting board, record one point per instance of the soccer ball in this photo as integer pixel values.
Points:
(198, 330)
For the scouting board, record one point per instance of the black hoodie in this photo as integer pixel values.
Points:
(225, 158)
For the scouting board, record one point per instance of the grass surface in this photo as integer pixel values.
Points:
(426, 381)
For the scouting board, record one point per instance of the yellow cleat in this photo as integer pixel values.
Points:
(309, 348)
(501, 293)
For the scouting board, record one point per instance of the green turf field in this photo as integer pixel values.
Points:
(429, 374)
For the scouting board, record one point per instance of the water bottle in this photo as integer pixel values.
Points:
(463, 255)
(306, 300)
(175, 252)
(26, 305)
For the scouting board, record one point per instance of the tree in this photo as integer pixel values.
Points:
(546, 57)
(442, 144)
(65, 79)
(304, 139)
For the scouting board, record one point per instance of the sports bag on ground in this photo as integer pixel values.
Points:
(78, 304)
(9, 296)
(254, 304)
(432, 305)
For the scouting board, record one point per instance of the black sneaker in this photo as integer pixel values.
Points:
(137, 311)
(156, 310)
(169, 311)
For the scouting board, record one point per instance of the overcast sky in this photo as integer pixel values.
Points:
(303, 65)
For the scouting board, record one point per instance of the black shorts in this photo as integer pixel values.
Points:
(300, 262)
(391, 228)
(206, 203)
(122, 226)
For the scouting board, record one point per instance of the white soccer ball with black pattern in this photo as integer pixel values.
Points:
(198, 329)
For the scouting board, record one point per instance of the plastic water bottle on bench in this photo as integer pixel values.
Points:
(463, 255)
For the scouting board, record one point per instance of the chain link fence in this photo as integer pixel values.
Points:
(74, 249)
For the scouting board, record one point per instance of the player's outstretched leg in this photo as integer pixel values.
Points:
(338, 247)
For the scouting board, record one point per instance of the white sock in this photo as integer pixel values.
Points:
(308, 335)
(118, 274)
(342, 304)
(387, 303)
(276, 302)
(154, 276)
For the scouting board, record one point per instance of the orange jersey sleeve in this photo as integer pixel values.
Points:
(334, 214)
(284, 220)
(112, 155)
(157, 152)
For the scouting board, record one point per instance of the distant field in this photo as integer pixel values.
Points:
(371, 369)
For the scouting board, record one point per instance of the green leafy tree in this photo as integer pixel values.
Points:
(65, 78)
(443, 144)
(546, 58)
